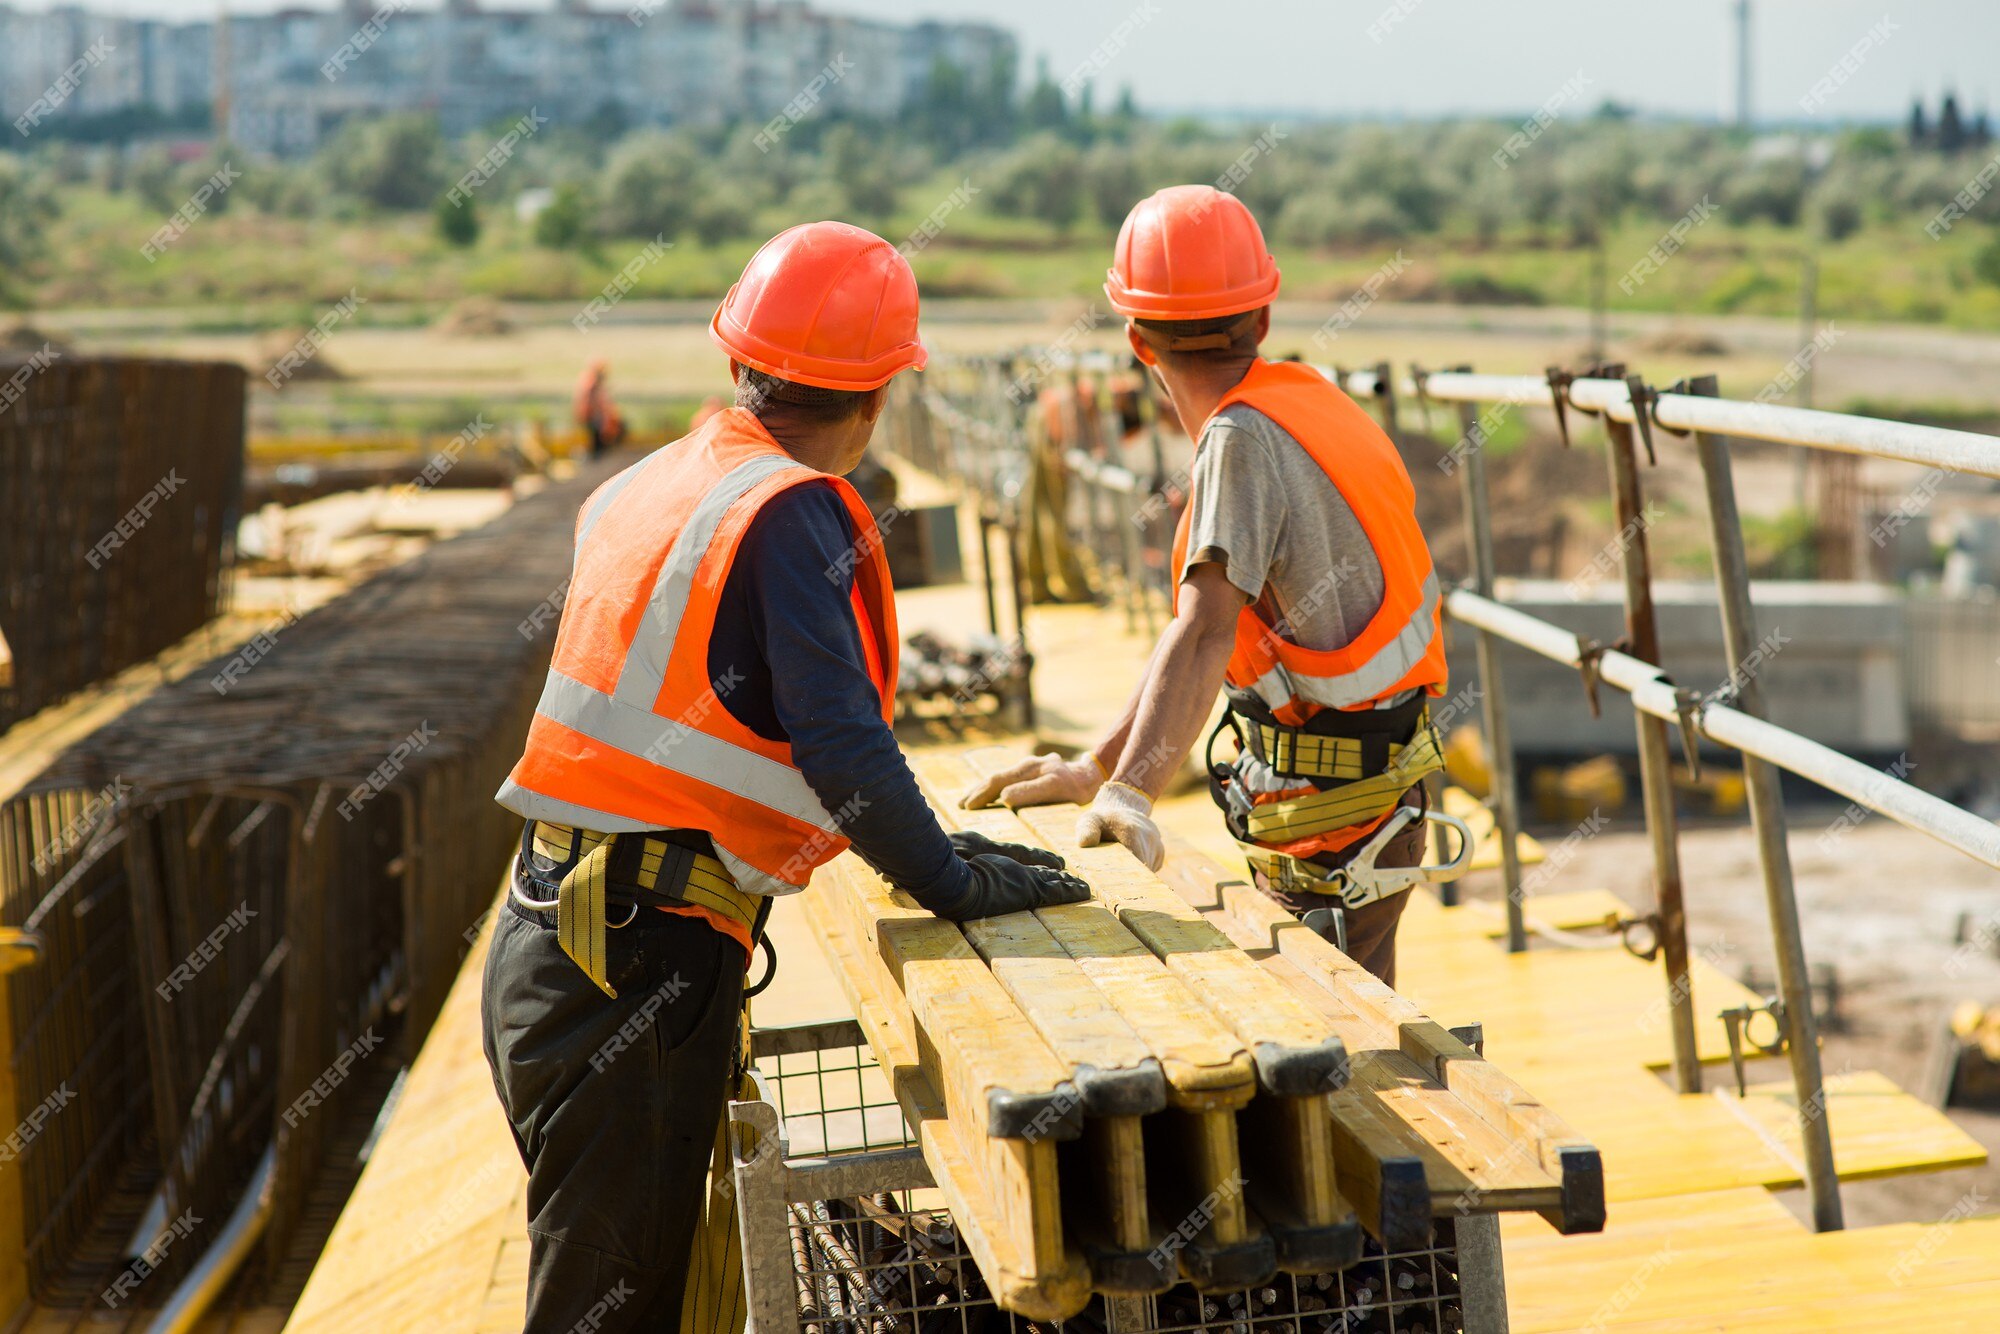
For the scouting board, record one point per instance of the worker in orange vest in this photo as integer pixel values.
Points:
(593, 409)
(714, 726)
(1304, 589)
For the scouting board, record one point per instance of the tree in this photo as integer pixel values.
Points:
(1041, 179)
(1986, 264)
(561, 226)
(865, 172)
(651, 185)
(1045, 108)
(721, 215)
(458, 221)
(26, 209)
(396, 162)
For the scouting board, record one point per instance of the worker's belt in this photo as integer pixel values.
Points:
(1343, 745)
(630, 870)
(1360, 763)
(1295, 875)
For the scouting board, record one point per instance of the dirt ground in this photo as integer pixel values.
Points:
(662, 348)
(1881, 905)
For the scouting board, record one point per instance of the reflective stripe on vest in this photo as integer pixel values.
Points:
(1367, 683)
(643, 755)
(1402, 647)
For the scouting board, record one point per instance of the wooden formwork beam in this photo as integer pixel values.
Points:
(989, 1185)
(1207, 1067)
(1512, 1154)
(1294, 1196)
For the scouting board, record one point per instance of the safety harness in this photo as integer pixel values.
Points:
(1341, 769)
(633, 870)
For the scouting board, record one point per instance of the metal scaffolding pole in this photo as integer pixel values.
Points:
(1505, 797)
(1642, 633)
(1767, 817)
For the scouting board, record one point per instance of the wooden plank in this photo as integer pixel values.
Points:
(1205, 1064)
(1525, 1148)
(991, 1062)
(1022, 1194)
(1289, 1161)
(1112, 1070)
(1029, 1270)
(1210, 1075)
(1295, 1052)
(1117, 1081)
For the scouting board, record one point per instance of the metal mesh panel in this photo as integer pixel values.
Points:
(892, 1262)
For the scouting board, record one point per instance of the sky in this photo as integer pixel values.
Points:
(1443, 57)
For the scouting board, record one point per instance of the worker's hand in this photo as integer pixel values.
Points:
(997, 884)
(1039, 780)
(1123, 813)
(969, 844)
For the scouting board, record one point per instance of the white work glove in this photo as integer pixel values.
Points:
(1123, 813)
(1039, 780)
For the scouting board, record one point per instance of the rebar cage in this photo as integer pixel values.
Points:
(843, 1232)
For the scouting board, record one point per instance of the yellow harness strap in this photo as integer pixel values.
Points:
(1351, 803)
(714, 1298)
(580, 914)
(581, 897)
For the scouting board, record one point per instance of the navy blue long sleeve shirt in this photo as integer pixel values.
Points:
(786, 624)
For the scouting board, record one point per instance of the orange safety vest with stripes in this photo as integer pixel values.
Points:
(1402, 647)
(631, 734)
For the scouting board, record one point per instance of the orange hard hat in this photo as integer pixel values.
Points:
(1190, 252)
(824, 304)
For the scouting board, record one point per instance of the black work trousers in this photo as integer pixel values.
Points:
(614, 1106)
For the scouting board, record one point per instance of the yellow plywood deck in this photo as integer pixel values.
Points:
(434, 1236)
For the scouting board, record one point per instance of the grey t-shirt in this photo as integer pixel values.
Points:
(1266, 511)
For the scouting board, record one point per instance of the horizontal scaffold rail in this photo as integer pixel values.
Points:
(1845, 433)
(1653, 693)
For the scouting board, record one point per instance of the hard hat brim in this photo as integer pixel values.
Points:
(820, 372)
(1194, 306)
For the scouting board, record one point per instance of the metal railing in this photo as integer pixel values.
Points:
(1633, 415)
(1734, 715)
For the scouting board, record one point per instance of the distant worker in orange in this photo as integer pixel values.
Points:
(715, 726)
(594, 411)
(1304, 590)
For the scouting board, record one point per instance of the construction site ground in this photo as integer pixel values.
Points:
(1704, 1229)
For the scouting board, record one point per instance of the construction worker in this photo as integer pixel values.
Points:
(593, 409)
(1304, 589)
(715, 725)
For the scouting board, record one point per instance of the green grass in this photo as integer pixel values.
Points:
(242, 269)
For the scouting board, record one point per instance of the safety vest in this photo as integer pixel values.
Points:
(1400, 649)
(1402, 646)
(630, 733)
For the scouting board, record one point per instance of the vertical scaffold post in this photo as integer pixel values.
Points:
(1642, 633)
(1767, 817)
(1505, 796)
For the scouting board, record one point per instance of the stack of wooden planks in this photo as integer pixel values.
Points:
(1173, 1081)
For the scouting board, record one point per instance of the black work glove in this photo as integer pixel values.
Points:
(994, 884)
(968, 845)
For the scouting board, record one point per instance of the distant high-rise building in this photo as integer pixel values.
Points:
(281, 82)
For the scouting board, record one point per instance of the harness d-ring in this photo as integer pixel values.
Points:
(630, 918)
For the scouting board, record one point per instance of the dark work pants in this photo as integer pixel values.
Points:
(1371, 929)
(614, 1106)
